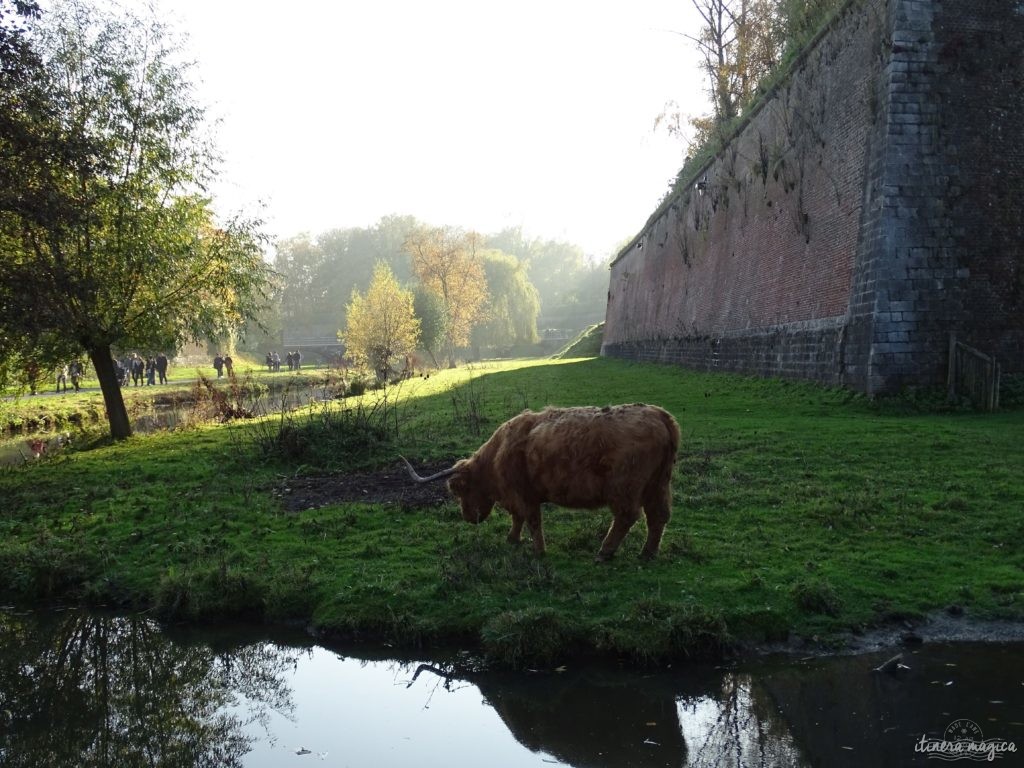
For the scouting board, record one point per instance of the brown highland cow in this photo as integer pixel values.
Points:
(618, 456)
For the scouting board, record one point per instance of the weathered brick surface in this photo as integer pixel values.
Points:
(870, 208)
(977, 194)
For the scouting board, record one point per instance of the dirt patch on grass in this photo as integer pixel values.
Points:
(390, 485)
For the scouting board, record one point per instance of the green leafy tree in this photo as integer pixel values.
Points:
(387, 243)
(382, 327)
(262, 333)
(429, 308)
(109, 241)
(513, 306)
(572, 290)
(319, 273)
(18, 61)
(305, 301)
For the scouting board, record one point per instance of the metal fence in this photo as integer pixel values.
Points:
(973, 375)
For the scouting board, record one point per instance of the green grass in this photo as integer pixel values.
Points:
(586, 344)
(797, 510)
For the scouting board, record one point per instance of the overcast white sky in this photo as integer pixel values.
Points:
(481, 114)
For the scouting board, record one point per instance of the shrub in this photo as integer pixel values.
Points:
(356, 387)
(327, 436)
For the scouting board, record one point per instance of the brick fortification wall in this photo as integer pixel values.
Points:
(871, 206)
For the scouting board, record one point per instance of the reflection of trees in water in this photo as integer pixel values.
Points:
(737, 725)
(593, 718)
(586, 717)
(89, 690)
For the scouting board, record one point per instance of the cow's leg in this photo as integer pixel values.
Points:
(515, 535)
(536, 526)
(531, 517)
(658, 509)
(623, 518)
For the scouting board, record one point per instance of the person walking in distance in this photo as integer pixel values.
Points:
(161, 367)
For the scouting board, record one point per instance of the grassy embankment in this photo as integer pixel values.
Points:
(587, 344)
(796, 510)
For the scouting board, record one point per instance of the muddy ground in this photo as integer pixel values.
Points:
(391, 485)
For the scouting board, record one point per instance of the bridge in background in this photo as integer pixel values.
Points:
(307, 342)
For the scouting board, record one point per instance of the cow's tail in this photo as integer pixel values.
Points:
(658, 494)
(673, 435)
(671, 449)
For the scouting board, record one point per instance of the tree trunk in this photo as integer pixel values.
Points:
(117, 414)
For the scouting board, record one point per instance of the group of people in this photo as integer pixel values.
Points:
(73, 371)
(138, 370)
(293, 359)
(222, 364)
(132, 369)
(135, 370)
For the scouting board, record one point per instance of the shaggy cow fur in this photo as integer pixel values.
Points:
(619, 456)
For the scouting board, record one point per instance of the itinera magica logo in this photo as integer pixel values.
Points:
(963, 740)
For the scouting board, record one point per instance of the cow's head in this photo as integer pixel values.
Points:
(475, 501)
(464, 483)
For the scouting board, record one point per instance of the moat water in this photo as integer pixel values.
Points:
(91, 689)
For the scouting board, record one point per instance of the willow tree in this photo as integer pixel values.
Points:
(107, 238)
(512, 309)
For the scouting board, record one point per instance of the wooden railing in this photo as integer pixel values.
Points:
(972, 374)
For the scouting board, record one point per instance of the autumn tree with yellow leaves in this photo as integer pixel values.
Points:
(742, 45)
(381, 326)
(447, 261)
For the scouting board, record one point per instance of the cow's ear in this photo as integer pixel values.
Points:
(460, 480)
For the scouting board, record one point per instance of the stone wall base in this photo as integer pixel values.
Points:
(811, 350)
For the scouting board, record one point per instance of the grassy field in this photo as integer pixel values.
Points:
(798, 510)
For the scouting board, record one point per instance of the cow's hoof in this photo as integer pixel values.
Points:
(604, 557)
(646, 555)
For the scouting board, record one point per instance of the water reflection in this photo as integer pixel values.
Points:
(738, 726)
(846, 715)
(92, 690)
(699, 717)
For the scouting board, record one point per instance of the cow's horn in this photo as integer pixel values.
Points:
(435, 476)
